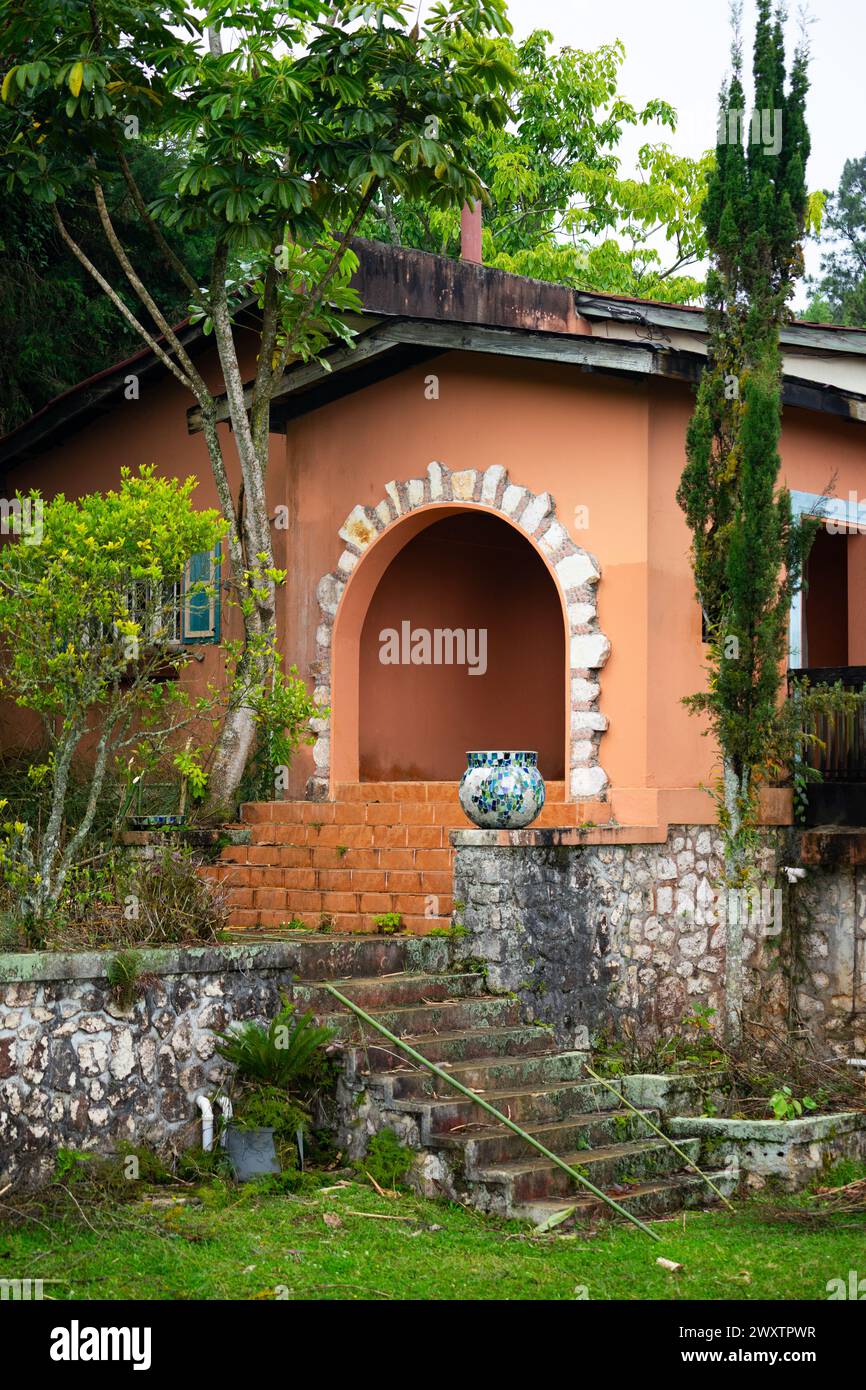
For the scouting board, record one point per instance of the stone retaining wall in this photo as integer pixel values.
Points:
(590, 929)
(78, 1070)
(791, 1153)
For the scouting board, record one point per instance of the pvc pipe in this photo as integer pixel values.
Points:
(206, 1109)
(491, 1110)
(226, 1111)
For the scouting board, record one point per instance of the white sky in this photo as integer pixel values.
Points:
(679, 50)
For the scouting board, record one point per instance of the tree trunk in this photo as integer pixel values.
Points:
(734, 786)
(251, 556)
(234, 745)
(43, 896)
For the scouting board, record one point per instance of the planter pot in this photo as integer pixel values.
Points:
(502, 790)
(251, 1152)
(156, 822)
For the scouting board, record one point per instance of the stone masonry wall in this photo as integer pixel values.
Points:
(589, 935)
(79, 1071)
(830, 922)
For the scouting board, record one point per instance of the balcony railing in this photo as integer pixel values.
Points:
(842, 758)
(839, 797)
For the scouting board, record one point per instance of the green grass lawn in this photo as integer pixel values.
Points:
(352, 1243)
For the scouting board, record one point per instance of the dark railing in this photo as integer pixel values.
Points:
(841, 754)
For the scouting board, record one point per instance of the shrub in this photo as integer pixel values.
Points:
(86, 624)
(122, 974)
(387, 923)
(387, 1161)
(169, 902)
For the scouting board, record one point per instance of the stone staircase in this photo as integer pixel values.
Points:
(379, 847)
(449, 1017)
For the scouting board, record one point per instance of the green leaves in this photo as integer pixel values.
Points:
(785, 1105)
(303, 96)
(288, 1053)
(69, 623)
(558, 207)
(839, 293)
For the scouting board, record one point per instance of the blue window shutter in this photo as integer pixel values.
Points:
(201, 610)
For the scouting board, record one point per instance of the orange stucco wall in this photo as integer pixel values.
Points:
(609, 450)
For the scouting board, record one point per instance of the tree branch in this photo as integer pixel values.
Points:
(141, 290)
(118, 302)
(316, 297)
(169, 256)
(260, 410)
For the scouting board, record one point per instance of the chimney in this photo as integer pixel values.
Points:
(470, 233)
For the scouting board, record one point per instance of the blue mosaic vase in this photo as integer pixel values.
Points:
(502, 791)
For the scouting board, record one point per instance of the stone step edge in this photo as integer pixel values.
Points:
(545, 1209)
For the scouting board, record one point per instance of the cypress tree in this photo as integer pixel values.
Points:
(747, 553)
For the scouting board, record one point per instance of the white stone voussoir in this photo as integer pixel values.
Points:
(589, 651)
(360, 526)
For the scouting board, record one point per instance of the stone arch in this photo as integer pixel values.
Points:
(575, 572)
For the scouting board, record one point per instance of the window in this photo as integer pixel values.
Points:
(198, 617)
(185, 614)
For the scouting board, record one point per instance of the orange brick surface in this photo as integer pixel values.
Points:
(378, 847)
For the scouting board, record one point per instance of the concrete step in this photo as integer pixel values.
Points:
(483, 1148)
(527, 1106)
(656, 1198)
(459, 1045)
(422, 1020)
(310, 957)
(383, 992)
(635, 1162)
(491, 1074)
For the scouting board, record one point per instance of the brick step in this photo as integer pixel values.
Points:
(323, 816)
(299, 846)
(327, 870)
(388, 847)
(639, 1161)
(420, 1020)
(418, 791)
(459, 1045)
(656, 1198)
(391, 896)
(487, 1074)
(255, 920)
(305, 888)
(483, 1148)
(390, 991)
(528, 1106)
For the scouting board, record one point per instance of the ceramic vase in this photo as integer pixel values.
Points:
(502, 790)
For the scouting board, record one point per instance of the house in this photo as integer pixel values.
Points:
(476, 508)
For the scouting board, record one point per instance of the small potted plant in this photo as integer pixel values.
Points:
(278, 1070)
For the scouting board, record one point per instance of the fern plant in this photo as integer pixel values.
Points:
(288, 1053)
(122, 974)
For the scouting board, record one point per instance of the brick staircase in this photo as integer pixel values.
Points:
(379, 847)
(414, 989)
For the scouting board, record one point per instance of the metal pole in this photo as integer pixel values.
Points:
(491, 1110)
